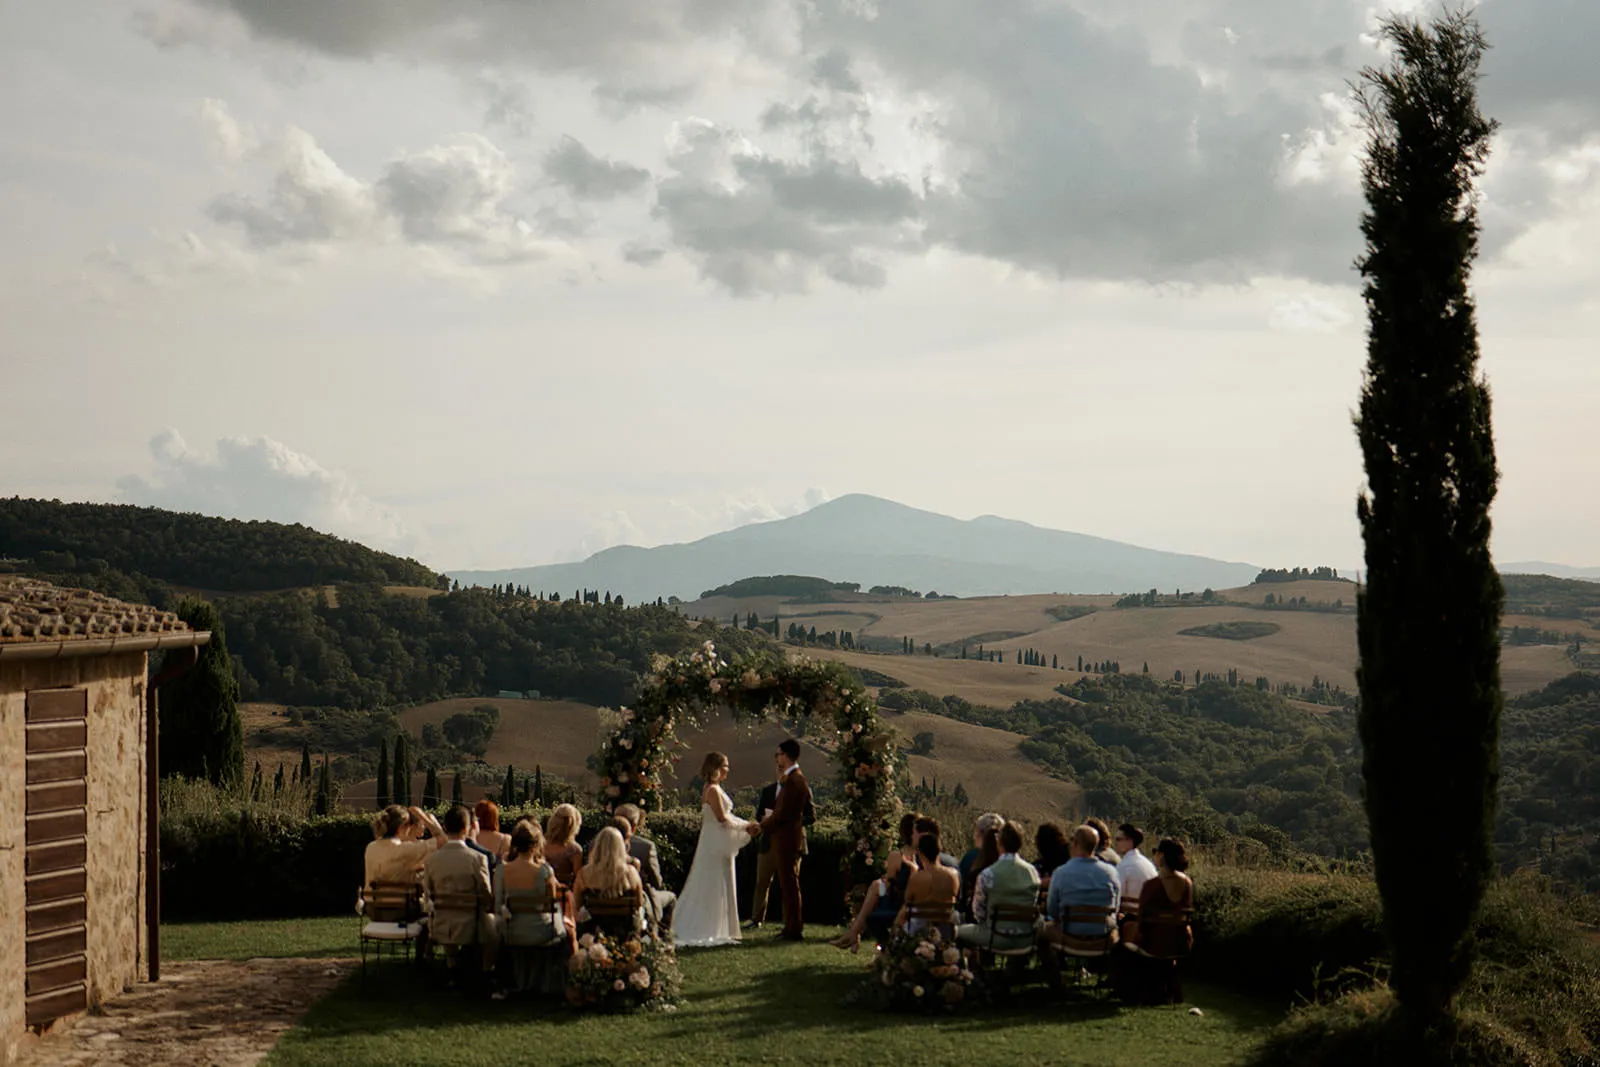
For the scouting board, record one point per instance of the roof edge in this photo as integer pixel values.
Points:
(102, 646)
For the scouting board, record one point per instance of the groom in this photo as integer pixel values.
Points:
(785, 830)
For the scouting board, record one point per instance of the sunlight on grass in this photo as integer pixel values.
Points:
(763, 1001)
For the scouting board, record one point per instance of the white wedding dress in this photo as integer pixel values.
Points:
(708, 909)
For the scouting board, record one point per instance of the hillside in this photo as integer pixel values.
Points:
(863, 539)
(195, 551)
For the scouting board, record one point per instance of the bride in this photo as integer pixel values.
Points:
(708, 909)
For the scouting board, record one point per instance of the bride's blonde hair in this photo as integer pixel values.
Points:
(714, 762)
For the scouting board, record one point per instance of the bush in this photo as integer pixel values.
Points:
(242, 863)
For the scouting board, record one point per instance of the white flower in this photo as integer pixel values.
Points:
(917, 990)
(952, 954)
(617, 985)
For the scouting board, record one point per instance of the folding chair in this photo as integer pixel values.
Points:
(615, 916)
(940, 917)
(460, 911)
(1091, 947)
(532, 964)
(392, 916)
(1168, 931)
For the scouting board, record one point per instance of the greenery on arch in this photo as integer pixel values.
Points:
(681, 690)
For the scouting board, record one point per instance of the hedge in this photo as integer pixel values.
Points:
(239, 865)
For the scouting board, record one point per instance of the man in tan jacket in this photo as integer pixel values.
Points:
(454, 868)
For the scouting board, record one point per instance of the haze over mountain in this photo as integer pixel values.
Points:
(866, 539)
(1554, 570)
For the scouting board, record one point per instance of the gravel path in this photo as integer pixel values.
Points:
(216, 1013)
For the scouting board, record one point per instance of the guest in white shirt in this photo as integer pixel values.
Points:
(1134, 868)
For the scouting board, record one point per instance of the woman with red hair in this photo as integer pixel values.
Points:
(489, 835)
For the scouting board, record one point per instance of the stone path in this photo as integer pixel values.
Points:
(205, 1013)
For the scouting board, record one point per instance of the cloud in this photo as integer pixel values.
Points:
(259, 478)
(1307, 314)
(1171, 141)
(453, 197)
(232, 141)
(590, 177)
(755, 223)
(507, 102)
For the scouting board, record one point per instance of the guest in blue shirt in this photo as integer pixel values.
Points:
(1082, 881)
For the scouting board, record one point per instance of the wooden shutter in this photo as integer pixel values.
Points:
(57, 969)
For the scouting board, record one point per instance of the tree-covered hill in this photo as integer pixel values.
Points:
(186, 549)
(793, 585)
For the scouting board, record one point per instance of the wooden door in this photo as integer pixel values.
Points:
(57, 849)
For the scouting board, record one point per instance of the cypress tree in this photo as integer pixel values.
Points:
(305, 765)
(382, 799)
(201, 735)
(430, 789)
(402, 772)
(508, 790)
(257, 782)
(1428, 617)
(538, 784)
(455, 788)
(324, 801)
(1080, 663)
(277, 781)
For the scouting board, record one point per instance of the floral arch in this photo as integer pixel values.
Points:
(682, 690)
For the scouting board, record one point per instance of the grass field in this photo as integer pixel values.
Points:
(763, 1001)
(987, 763)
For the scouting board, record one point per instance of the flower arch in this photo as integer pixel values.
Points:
(681, 690)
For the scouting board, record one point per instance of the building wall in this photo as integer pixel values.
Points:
(116, 838)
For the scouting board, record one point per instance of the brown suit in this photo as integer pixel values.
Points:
(786, 830)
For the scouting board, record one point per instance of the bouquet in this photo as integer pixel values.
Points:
(622, 973)
(921, 972)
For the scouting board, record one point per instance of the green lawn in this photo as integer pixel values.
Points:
(764, 1001)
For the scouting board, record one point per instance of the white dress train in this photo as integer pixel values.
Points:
(708, 908)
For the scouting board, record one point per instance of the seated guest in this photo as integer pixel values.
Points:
(933, 885)
(662, 901)
(885, 895)
(608, 876)
(1050, 841)
(1103, 850)
(1010, 881)
(561, 849)
(524, 878)
(976, 858)
(472, 842)
(929, 825)
(397, 850)
(1083, 881)
(488, 832)
(1151, 976)
(1135, 868)
(458, 870)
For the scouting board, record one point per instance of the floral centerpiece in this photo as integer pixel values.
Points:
(681, 690)
(924, 972)
(622, 974)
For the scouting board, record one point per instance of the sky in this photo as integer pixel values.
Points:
(506, 282)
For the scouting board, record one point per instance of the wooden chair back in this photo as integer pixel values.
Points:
(392, 902)
(462, 904)
(1083, 945)
(941, 917)
(532, 901)
(1015, 916)
(1164, 934)
(615, 915)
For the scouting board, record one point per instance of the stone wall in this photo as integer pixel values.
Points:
(116, 838)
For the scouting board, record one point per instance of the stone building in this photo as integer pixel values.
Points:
(79, 847)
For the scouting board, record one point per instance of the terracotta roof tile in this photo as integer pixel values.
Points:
(31, 611)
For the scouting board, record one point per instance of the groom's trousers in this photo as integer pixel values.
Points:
(788, 864)
(766, 871)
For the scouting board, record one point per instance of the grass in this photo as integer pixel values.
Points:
(320, 938)
(763, 1001)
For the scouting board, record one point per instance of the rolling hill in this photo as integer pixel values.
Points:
(866, 539)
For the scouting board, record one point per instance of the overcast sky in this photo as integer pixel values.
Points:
(506, 282)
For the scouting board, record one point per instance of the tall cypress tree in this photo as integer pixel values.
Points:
(383, 776)
(455, 787)
(324, 801)
(1428, 618)
(508, 789)
(538, 784)
(402, 772)
(305, 766)
(430, 789)
(201, 735)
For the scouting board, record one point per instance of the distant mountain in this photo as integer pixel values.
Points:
(1554, 570)
(865, 539)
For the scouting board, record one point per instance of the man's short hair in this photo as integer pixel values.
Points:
(457, 819)
(1132, 833)
(1086, 840)
(623, 824)
(791, 748)
(633, 813)
(1010, 838)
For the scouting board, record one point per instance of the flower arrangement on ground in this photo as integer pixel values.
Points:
(622, 973)
(924, 972)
